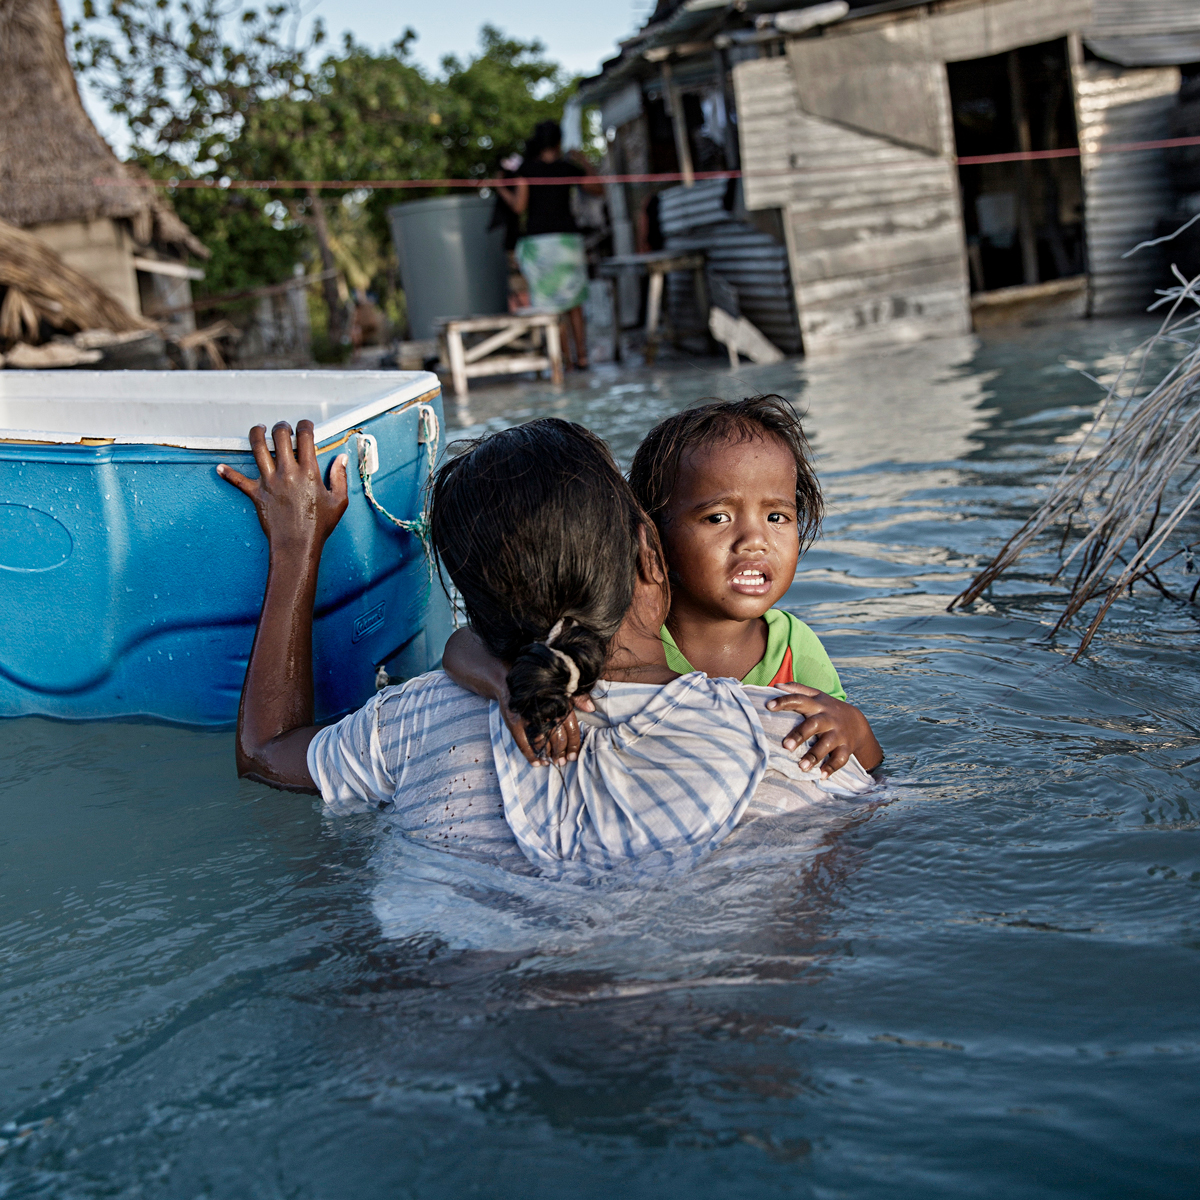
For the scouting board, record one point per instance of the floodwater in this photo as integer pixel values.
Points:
(988, 984)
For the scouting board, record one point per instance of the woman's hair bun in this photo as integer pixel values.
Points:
(540, 533)
(541, 678)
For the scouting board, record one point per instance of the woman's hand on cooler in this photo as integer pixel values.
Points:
(295, 508)
(297, 513)
(839, 728)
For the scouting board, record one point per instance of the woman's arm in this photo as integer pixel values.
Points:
(473, 666)
(516, 198)
(297, 513)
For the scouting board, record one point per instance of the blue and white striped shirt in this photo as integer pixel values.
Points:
(665, 773)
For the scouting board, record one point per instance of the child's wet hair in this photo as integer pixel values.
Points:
(656, 464)
(536, 526)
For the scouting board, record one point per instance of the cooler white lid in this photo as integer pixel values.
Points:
(199, 410)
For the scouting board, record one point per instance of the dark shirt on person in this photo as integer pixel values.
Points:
(549, 208)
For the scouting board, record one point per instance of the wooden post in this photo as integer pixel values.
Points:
(554, 353)
(615, 297)
(1086, 160)
(700, 294)
(653, 303)
(458, 364)
(733, 152)
(1020, 115)
(683, 148)
(333, 302)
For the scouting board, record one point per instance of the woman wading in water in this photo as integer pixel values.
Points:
(562, 578)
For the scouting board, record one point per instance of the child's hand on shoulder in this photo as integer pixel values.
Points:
(560, 746)
(839, 728)
(472, 666)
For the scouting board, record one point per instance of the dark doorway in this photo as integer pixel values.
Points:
(663, 159)
(1024, 220)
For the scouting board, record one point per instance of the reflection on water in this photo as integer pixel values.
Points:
(920, 404)
(983, 986)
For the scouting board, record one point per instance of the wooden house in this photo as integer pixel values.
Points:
(877, 143)
(53, 164)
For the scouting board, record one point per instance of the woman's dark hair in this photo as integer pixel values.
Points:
(547, 135)
(655, 469)
(535, 525)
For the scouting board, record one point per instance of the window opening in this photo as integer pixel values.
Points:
(1023, 220)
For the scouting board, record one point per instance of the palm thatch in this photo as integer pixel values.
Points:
(50, 152)
(1131, 500)
(38, 286)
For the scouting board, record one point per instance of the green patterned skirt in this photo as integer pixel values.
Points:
(555, 267)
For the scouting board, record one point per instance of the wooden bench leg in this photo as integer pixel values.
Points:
(615, 287)
(700, 294)
(458, 365)
(554, 353)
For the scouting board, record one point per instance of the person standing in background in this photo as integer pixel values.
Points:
(551, 254)
(503, 217)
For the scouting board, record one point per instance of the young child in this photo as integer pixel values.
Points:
(731, 490)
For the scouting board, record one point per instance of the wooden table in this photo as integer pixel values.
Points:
(505, 329)
(656, 264)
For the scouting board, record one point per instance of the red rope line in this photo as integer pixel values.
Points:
(970, 160)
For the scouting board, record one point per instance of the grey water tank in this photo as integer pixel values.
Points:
(451, 264)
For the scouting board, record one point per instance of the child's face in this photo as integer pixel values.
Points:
(730, 534)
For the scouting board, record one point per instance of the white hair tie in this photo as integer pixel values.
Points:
(567, 660)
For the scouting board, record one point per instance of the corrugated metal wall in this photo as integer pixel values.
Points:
(1146, 32)
(1125, 193)
(752, 262)
(875, 232)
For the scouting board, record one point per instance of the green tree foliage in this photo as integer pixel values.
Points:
(185, 75)
(250, 245)
(492, 102)
(372, 116)
(217, 91)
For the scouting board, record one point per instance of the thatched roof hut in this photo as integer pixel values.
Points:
(127, 241)
(51, 153)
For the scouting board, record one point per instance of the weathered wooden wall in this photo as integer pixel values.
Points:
(1125, 193)
(873, 223)
(851, 137)
(102, 249)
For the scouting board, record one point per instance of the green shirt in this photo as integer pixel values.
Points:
(790, 643)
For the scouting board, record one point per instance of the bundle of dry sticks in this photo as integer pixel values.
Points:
(1128, 494)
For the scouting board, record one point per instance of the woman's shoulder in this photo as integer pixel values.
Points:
(433, 688)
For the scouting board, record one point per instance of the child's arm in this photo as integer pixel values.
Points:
(473, 666)
(840, 729)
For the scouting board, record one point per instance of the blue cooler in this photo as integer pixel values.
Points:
(131, 574)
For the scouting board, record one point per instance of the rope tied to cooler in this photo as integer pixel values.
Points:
(428, 432)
